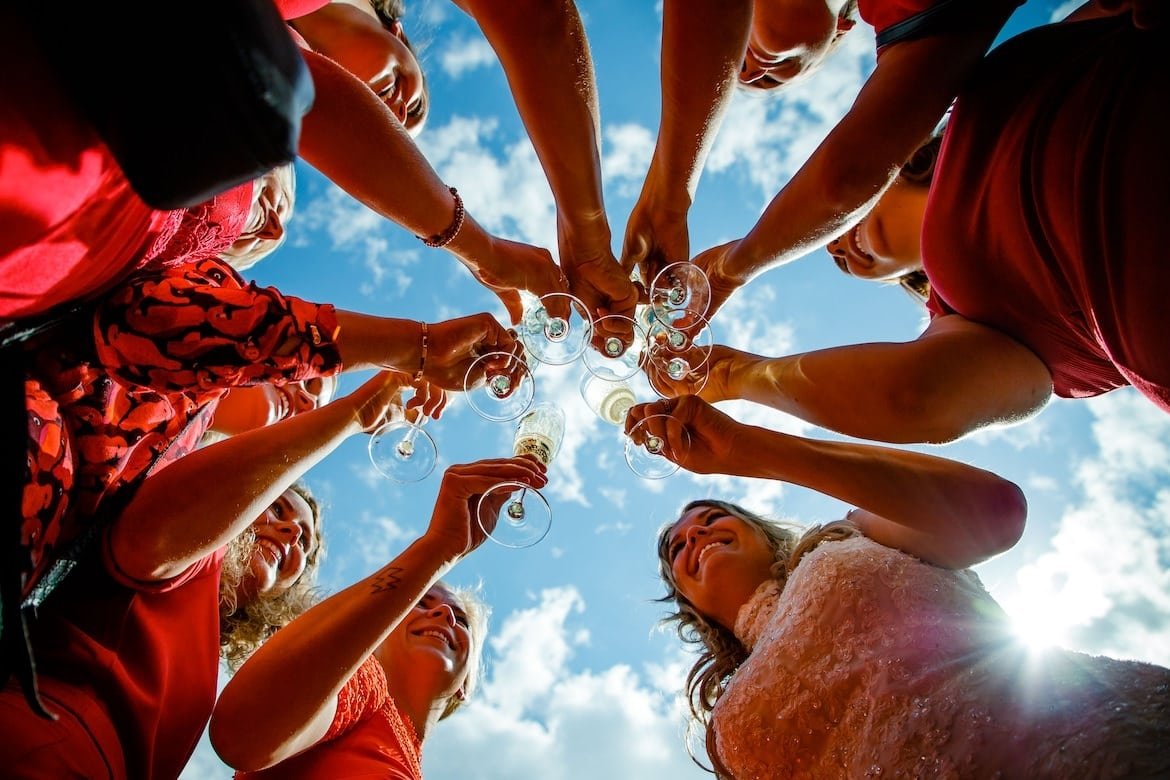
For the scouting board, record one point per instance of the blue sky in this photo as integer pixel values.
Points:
(575, 661)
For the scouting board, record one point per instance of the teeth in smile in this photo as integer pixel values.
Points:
(710, 546)
(272, 547)
(438, 634)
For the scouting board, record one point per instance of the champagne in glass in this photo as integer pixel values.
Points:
(609, 400)
(525, 519)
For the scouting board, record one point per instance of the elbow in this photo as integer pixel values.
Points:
(236, 746)
(1006, 514)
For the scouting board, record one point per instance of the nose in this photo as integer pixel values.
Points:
(290, 531)
(304, 400)
(751, 70)
(696, 532)
(836, 247)
(444, 612)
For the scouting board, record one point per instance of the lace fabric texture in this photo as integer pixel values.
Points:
(871, 663)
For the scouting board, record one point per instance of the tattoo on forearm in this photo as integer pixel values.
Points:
(387, 580)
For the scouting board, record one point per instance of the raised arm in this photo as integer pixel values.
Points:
(703, 43)
(261, 718)
(205, 499)
(957, 377)
(545, 55)
(898, 107)
(943, 511)
(358, 143)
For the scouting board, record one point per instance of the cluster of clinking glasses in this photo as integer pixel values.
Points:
(668, 343)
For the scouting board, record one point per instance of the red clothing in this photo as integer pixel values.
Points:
(70, 225)
(369, 737)
(880, 14)
(132, 668)
(168, 346)
(1046, 216)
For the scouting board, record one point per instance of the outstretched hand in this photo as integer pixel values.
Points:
(454, 345)
(514, 266)
(712, 261)
(455, 520)
(378, 400)
(696, 435)
(654, 239)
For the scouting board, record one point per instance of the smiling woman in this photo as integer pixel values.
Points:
(824, 654)
(376, 665)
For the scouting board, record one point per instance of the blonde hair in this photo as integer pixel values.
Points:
(478, 612)
(284, 179)
(721, 653)
(244, 627)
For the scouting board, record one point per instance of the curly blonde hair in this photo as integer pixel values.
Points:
(720, 653)
(244, 627)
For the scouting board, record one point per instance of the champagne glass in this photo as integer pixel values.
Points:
(678, 354)
(402, 451)
(524, 520)
(609, 399)
(616, 361)
(647, 453)
(556, 340)
(507, 390)
(681, 287)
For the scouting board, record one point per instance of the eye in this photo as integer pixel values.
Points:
(462, 620)
(674, 549)
(278, 510)
(306, 538)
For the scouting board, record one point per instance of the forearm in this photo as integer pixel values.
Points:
(898, 107)
(366, 342)
(703, 43)
(260, 718)
(943, 511)
(545, 55)
(169, 525)
(358, 143)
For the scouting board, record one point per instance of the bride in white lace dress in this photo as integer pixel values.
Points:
(829, 653)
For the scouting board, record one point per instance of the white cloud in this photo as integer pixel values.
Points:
(362, 232)
(766, 139)
(1104, 586)
(536, 718)
(508, 194)
(626, 157)
(464, 54)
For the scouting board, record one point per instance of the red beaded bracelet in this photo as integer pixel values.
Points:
(448, 235)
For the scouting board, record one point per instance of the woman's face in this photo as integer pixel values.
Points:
(350, 33)
(717, 561)
(788, 40)
(250, 407)
(887, 243)
(285, 539)
(272, 203)
(430, 649)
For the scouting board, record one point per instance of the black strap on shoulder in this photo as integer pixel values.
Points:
(943, 16)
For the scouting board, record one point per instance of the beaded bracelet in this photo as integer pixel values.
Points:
(422, 355)
(448, 235)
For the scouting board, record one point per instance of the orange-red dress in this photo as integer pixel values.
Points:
(369, 737)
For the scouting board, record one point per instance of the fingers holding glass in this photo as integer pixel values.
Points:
(556, 330)
(620, 345)
(402, 451)
(678, 355)
(499, 386)
(656, 445)
(523, 520)
(681, 287)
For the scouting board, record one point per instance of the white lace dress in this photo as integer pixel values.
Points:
(871, 663)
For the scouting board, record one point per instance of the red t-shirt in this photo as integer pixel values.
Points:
(369, 737)
(140, 659)
(1046, 216)
(880, 14)
(70, 224)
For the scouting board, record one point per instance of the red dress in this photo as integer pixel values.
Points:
(1046, 217)
(129, 668)
(369, 737)
(168, 346)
